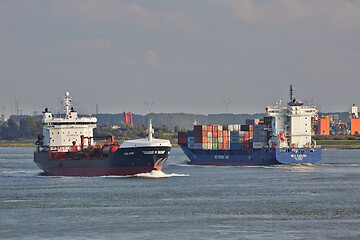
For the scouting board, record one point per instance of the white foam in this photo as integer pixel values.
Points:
(19, 173)
(15, 201)
(160, 174)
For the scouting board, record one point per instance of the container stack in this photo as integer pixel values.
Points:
(190, 141)
(260, 136)
(182, 138)
(234, 137)
(200, 137)
(254, 121)
(237, 140)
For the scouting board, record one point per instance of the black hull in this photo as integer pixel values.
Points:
(125, 161)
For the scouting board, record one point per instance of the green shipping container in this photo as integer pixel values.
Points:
(214, 145)
(215, 140)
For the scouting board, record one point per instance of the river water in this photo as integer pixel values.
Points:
(319, 201)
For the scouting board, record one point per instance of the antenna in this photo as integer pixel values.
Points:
(76, 103)
(291, 93)
(66, 104)
(16, 107)
(149, 105)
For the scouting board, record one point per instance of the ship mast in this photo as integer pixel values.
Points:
(291, 93)
(66, 103)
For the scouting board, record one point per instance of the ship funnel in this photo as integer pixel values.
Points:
(151, 130)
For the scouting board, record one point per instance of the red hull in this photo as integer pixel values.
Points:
(105, 171)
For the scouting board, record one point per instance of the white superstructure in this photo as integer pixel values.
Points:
(353, 113)
(63, 133)
(291, 125)
(150, 141)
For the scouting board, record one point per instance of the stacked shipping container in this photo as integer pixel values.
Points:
(235, 137)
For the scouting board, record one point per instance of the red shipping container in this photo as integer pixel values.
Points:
(220, 134)
(182, 134)
(182, 140)
(246, 135)
(225, 146)
(220, 145)
(248, 128)
(199, 129)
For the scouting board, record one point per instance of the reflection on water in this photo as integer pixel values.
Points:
(300, 168)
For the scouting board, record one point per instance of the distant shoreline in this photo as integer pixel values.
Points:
(18, 143)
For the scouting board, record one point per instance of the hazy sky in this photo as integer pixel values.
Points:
(185, 55)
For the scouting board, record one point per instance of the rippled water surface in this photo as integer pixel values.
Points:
(183, 202)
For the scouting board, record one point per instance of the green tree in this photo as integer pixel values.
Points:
(30, 127)
(177, 129)
(11, 130)
(165, 128)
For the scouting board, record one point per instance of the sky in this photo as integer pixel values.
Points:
(186, 56)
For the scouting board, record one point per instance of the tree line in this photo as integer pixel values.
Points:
(28, 127)
(31, 127)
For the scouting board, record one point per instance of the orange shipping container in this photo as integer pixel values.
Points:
(355, 126)
(324, 126)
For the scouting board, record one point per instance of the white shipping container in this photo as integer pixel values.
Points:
(231, 128)
(220, 139)
(205, 146)
(209, 134)
(220, 128)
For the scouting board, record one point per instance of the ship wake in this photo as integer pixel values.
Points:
(159, 174)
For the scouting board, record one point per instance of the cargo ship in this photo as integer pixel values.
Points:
(283, 136)
(67, 147)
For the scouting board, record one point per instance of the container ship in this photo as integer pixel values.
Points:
(67, 148)
(283, 136)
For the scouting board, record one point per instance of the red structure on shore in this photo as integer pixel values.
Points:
(127, 118)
